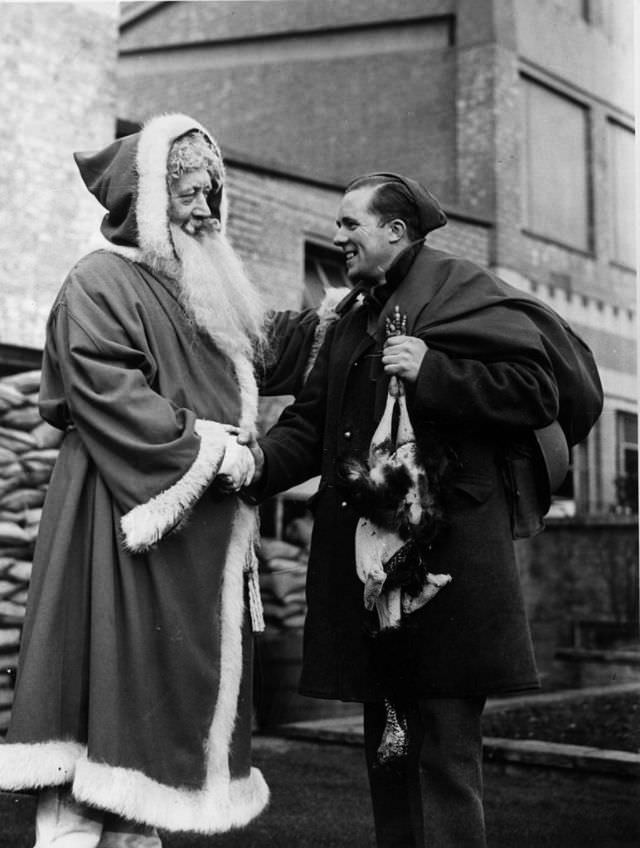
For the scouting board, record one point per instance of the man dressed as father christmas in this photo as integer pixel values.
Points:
(133, 702)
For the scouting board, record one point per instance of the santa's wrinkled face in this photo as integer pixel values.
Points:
(188, 206)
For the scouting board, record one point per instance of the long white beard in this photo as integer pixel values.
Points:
(217, 294)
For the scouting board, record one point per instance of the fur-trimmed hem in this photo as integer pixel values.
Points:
(223, 803)
(147, 523)
(25, 765)
(129, 793)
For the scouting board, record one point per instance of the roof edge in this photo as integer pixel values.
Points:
(130, 16)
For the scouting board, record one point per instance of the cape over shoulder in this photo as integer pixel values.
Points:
(104, 277)
(464, 310)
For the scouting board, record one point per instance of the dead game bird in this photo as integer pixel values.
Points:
(397, 496)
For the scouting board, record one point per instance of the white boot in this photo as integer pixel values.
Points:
(120, 833)
(62, 822)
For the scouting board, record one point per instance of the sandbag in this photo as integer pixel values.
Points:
(10, 396)
(25, 382)
(22, 499)
(271, 548)
(22, 419)
(7, 456)
(16, 440)
(20, 570)
(12, 612)
(12, 534)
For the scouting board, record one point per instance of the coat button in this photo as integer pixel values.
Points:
(347, 435)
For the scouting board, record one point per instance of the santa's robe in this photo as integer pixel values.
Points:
(135, 667)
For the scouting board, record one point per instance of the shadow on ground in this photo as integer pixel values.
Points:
(320, 800)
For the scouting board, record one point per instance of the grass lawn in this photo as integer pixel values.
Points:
(603, 721)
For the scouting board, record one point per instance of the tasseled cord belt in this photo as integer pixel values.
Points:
(256, 610)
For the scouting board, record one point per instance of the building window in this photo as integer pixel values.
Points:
(323, 269)
(627, 464)
(575, 8)
(621, 158)
(556, 195)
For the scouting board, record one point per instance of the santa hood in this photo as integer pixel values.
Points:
(129, 179)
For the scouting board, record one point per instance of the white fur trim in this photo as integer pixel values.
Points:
(156, 138)
(246, 377)
(30, 766)
(147, 523)
(332, 297)
(327, 315)
(134, 796)
(222, 803)
(99, 242)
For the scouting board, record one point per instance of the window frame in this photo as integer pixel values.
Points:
(614, 124)
(317, 250)
(528, 225)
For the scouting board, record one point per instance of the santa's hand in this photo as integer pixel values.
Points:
(402, 356)
(237, 467)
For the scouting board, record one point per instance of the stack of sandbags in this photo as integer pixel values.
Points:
(28, 450)
(283, 572)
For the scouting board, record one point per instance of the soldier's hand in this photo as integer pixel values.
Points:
(258, 459)
(402, 356)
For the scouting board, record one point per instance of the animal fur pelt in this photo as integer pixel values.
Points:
(387, 493)
(399, 491)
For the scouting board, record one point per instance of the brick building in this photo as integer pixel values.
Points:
(58, 94)
(518, 115)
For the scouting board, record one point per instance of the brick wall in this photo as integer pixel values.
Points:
(57, 96)
(576, 571)
(322, 118)
(220, 21)
(475, 120)
(271, 217)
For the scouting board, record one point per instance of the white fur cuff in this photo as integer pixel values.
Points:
(147, 523)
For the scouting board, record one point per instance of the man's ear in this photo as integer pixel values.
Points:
(397, 230)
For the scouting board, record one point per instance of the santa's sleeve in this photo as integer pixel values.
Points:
(155, 457)
(293, 342)
(293, 446)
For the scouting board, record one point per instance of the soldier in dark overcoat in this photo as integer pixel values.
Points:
(484, 366)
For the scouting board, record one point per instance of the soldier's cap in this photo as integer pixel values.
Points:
(430, 212)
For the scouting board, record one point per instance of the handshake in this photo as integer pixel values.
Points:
(242, 463)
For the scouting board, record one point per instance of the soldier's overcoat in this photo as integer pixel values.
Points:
(499, 364)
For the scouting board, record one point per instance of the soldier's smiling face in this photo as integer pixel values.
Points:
(367, 244)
